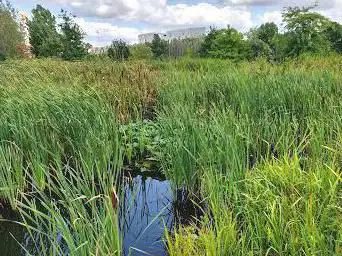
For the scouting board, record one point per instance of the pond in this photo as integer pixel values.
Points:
(149, 205)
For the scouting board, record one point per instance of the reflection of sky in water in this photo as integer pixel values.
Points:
(146, 213)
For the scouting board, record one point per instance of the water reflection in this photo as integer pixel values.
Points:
(144, 215)
(149, 206)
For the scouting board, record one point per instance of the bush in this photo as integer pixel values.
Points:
(2, 56)
(118, 50)
(140, 52)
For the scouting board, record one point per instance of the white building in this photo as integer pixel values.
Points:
(186, 33)
(175, 34)
(24, 28)
(98, 50)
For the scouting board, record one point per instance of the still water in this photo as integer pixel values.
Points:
(148, 206)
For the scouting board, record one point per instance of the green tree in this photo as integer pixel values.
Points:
(141, 51)
(159, 47)
(306, 30)
(44, 38)
(267, 31)
(334, 35)
(208, 43)
(118, 50)
(72, 38)
(10, 35)
(228, 44)
(262, 40)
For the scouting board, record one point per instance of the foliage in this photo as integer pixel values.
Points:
(226, 44)
(118, 50)
(306, 31)
(159, 47)
(260, 143)
(44, 39)
(72, 38)
(141, 52)
(143, 143)
(334, 34)
(262, 40)
(208, 43)
(10, 36)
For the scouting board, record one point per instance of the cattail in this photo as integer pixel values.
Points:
(115, 199)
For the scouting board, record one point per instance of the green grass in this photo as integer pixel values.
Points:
(263, 149)
(260, 143)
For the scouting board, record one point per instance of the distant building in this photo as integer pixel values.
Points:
(148, 38)
(24, 28)
(25, 48)
(175, 34)
(98, 50)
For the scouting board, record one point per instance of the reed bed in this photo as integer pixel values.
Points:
(262, 148)
(258, 142)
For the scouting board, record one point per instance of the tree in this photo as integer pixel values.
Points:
(208, 43)
(141, 51)
(334, 35)
(306, 30)
(226, 44)
(44, 39)
(159, 47)
(118, 50)
(267, 31)
(72, 38)
(262, 40)
(10, 35)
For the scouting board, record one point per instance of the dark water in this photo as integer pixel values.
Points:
(148, 207)
(8, 230)
(147, 211)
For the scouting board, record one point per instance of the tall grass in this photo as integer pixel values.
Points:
(60, 158)
(261, 143)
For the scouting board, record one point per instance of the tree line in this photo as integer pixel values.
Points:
(47, 37)
(304, 31)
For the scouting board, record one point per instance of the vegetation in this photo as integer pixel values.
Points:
(44, 38)
(158, 47)
(258, 142)
(10, 36)
(253, 128)
(72, 38)
(140, 52)
(118, 50)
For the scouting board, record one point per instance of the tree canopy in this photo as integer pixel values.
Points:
(10, 35)
(159, 47)
(44, 39)
(226, 43)
(72, 38)
(118, 50)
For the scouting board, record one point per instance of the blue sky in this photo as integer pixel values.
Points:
(105, 20)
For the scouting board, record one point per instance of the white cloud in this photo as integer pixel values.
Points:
(102, 33)
(273, 16)
(155, 13)
(160, 13)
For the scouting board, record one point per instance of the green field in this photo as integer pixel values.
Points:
(259, 143)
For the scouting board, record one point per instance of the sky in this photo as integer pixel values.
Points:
(106, 20)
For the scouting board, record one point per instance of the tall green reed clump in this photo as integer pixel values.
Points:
(224, 124)
(60, 157)
(44, 127)
(78, 216)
